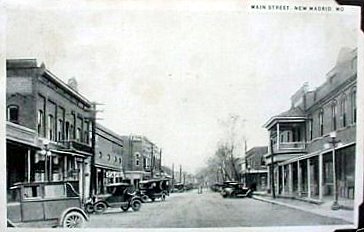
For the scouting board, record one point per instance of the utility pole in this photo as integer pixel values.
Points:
(160, 163)
(180, 173)
(172, 174)
(152, 162)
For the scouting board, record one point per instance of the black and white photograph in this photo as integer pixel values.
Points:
(180, 115)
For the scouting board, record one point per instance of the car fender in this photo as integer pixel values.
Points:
(73, 209)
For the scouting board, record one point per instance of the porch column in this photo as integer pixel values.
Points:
(28, 166)
(299, 178)
(290, 185)
(276, 174)
(308, 179)
(278, 137)
(283, 182)
(320, 176)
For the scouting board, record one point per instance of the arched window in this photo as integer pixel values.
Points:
(12, 113)
(353, 106)
(100, 154)
(333, 116)
(343, 111)
(108, 157)
(321, 122)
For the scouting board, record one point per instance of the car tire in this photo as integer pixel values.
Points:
(163, 197)
(135, 205)
(100, 207)
(73, 220)
(153, 199)
(89, 208)
(125, 208)
(145, 198)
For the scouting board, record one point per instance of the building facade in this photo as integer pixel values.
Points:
(141, 159)
(48, 127)
(108, 158)
(255, 173)
(305, 161)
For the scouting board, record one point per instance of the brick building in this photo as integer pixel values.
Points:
(300, 137)
(48, 127)
(141, 159)
(255, 172)
(108, 158)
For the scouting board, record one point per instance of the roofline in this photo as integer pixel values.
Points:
(277, 118)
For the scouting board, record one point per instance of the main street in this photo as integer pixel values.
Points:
(208, 209)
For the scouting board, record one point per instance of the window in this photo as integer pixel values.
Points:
(100, 154)
(321, 122)
(32, 192)
(50, 134)
(353, 106)
(310, 127)
(119, 160)
(343, 111)
(54, 191)
(108, 157)
(333, 115)
(67, 136)
(60, 134)
(137, 157)
(78, 134)
(115, 159)
(86, 132)
(12, 114)
(40, 124)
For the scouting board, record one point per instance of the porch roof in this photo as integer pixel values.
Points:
(295, 114)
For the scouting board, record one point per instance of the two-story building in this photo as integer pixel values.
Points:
(255, 172)
(108, 158)
(305, 162)
(48, 127)
(141, 159)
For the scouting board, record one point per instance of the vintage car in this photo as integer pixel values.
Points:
(217, 187)
(178, 188)
(119, 195)
(235, 189)
(45, 204)
(154, 189)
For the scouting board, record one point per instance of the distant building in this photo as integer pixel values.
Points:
(300, 137)
(255, 173)
(141, 159)
(48, 127)
(108, 158)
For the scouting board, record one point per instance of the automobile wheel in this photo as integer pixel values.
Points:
(145, 198)
(153, 199)
(135, 205)
(73, 220)
(100, 207)
(125, 208)
(89, 208)
(163, 197)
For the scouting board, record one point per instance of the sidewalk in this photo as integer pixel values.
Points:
(323, 209)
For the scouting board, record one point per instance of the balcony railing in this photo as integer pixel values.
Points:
(290, 146)
(73, 144)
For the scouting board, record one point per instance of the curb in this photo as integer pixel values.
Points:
(302, 209)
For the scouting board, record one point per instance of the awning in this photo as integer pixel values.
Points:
(108, 167)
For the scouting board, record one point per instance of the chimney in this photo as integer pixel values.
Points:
(72, 82)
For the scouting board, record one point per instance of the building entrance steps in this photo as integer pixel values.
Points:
(323, 209)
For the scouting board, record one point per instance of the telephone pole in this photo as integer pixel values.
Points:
(180, 173)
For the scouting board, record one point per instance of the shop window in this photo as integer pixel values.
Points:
(12, 113)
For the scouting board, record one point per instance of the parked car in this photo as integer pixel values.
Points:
(178, 188)
(119, 195)
(154, 189)
(235, 189)
(217, 187)
(53, 204)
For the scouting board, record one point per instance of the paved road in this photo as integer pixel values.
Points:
(209, 209)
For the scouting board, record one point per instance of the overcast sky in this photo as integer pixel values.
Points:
(171, 74)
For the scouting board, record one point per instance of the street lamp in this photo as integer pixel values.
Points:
(46, 152)
(334, 142)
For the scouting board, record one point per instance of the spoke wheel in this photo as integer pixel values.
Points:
(163, 197)
(89, 208)
(74, 220)
(100, 207)
(135, 205)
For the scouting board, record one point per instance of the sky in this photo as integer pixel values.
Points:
(172, 72)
